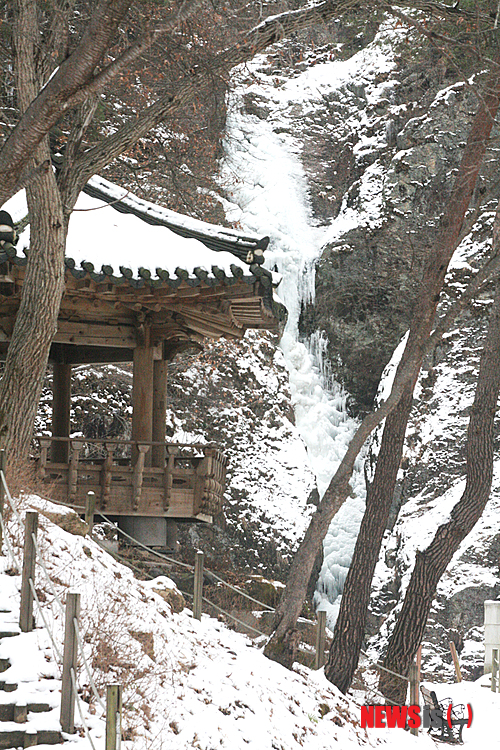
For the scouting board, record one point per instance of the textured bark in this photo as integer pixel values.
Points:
(418, 340)
(432, 562)
(36, 321)
(76, 82)
(350, 626)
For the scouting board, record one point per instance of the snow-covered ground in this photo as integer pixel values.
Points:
(186, 683)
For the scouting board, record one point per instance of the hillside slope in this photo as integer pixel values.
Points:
(186, 683)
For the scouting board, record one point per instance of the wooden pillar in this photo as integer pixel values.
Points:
(113, 716)
(61, 403)
(319, 661)
(414, 677)
(2, 494)
(159, 411)
(456, 663)
(198, 585)
(142, 399)
(89, 511)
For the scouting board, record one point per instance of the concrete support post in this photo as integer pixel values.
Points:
(491, 631)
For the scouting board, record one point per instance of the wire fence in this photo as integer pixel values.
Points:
(209, 574)
(56, 599)
(371, 690)
(172, 560)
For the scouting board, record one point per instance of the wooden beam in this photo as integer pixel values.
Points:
(96, 334)
(61, 403)
(88, 355)
(216, 324)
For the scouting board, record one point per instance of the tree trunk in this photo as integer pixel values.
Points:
(350, 626)
(432, 562)
(36, 321)
(86, 72)
(432, 281)
(42, 103)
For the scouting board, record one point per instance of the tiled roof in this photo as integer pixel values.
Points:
(125, 275)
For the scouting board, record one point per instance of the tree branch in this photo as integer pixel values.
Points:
(74, 80)
(249, 44)
(133, 52)
(56, 40)
(46, 109)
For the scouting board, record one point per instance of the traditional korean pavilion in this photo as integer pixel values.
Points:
(113, 312)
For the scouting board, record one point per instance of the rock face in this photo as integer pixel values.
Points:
(385, 150)
(236, 394)
(380, 154)
(403, 158)
(431, 481)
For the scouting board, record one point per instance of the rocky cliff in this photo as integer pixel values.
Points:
(378, 146)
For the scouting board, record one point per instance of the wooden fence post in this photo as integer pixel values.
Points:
(70, 659)
(198, 585)
(456, 663)
(29, 559)
(89, 511)
(414, 689)
(319, 660)
(113, 717)
(494, 669)
(2, 495)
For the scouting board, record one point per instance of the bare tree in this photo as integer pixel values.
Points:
(60, 80)
(431, 563)
(349, 631)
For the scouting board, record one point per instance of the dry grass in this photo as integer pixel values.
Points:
(123, 655)
(23, 478)
(70, 522)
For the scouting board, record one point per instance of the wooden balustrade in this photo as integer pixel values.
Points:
(190, 484)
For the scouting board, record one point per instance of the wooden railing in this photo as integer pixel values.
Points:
(187, 482)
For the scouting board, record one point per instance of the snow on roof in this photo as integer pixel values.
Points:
(248, 248)
(102, 236)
